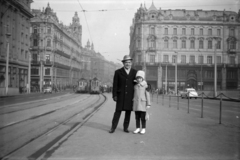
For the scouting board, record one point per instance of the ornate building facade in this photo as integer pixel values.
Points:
(57, 54)
(195, 39)
(14, 39)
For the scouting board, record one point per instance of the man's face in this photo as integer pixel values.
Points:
(127, 64)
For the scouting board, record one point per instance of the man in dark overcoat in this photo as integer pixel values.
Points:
(122, 92)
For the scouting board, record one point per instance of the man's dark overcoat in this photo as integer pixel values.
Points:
(123, 89)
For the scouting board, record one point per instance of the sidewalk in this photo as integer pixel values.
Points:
(171, 134)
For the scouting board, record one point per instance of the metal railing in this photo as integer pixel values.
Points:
(221, 97)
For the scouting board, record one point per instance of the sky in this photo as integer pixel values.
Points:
(107, 23)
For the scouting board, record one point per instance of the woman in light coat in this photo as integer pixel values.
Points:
(141, 102)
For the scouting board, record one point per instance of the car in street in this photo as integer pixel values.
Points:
(189, 93)
(47, 89)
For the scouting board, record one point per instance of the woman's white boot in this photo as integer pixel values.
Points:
(136, 131)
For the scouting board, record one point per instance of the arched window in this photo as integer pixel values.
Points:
(183, 43)
(48, 42)
(165, 43)
(192, 44)
(201, 44)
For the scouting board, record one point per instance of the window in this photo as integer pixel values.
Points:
(201, 44)
(218, 59)
(183, 58)
(152, 58)
(219, 32)
(184, 31)
(47, 56)
(232, 60)
(165, 43)
(201, 31)
(166, 31)
(139, 30)
(209, 59)
(192, 59)
(34, 71)
(192, 31)
(152, 44)
(139, 58)
(152, 30)
(183, 43)
(138, 43)
(231, 32)
(174, 59)
(232, 45)
(200, 59)
(34, 57)
(49, 30)
(165, 58)
(175, 31)
(209, 32)
(35, 42)
(49, 43)
(174, 43)
(35, 30)
(47, 71)
(192, 44)
(218, 45)
(209, 44)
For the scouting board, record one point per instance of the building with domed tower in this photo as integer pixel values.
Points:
(57, 57)
(202, 42)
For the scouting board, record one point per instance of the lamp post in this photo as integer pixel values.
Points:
(215, 71)
(7, 64)
(166, 79)
(29, 71)
(176, 72)
(201, 71)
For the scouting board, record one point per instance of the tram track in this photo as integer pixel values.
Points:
(40, 115)
(24, 106)
(93, 104)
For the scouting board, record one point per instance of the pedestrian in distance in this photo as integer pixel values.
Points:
(141, 102)
(122, 92)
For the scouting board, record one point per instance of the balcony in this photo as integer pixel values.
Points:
(35, 62)
(48, 62)
(231, 51)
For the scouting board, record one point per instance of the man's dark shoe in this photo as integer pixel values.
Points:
(112, 130)
(126, 130)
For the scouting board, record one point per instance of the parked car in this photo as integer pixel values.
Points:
(189, 92)
(47, 89)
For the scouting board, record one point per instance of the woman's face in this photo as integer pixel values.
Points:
(139, 79)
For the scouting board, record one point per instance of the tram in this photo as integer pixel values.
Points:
(82, 86)
(94, 86)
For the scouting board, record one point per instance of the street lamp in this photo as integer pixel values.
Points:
(166, 78)
(201, 70)
(215, 69)
(29, 71)
(176, 71)
(7, 63)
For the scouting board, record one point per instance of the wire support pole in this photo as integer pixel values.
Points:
(202, 106)
(188, 102)
(220, 110)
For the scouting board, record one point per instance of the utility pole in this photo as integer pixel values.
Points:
(176, 73)
(29, 72)
(166, 79)
(215, 71)
(7, 64)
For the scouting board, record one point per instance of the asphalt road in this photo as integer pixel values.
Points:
(28, 127)
(8, 100)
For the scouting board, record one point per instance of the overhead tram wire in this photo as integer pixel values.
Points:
(86, 21)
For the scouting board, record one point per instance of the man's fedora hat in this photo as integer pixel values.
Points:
(126, 57)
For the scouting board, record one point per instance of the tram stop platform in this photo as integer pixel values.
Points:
(171, 134)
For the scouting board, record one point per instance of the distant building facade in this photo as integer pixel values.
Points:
(57, 57)
(160, 38)
(15, 30)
